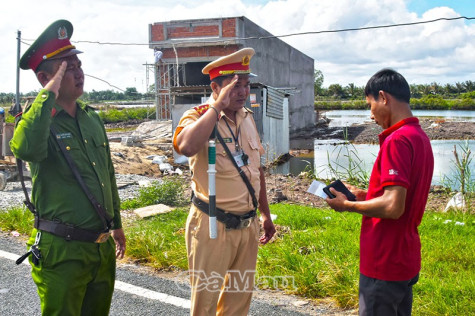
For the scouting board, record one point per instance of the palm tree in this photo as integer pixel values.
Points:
(460, 87)
(469, 85)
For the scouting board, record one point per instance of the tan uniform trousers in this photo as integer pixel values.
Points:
(221, 270)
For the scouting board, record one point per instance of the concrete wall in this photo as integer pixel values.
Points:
(278, 64)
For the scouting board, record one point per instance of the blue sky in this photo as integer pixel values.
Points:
(464, 7)
(441, 52)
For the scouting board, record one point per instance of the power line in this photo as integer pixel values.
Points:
(105, 82)
(371, 27)
(267, 37)
(288, 35)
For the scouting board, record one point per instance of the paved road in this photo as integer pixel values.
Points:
(137, 292)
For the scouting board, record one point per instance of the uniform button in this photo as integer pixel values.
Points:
(85, 141)
(102, 183)
(93, 163)
(104, 144)
(68, 148)
(44, 96)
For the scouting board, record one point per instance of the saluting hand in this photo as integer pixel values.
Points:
(223, 100)
(55, 83)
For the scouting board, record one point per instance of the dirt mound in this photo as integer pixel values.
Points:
(367, 133)
(133, 150)
(133, 159)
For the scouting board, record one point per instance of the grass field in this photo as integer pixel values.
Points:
(316, 251)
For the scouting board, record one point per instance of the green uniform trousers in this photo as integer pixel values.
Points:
(74, 277)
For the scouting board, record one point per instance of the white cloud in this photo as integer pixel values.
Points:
(440, 51)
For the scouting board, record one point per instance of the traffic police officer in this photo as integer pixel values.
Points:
(222, 269)
(73, 261)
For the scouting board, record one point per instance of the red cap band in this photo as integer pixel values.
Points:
(54, 45)
(228, 69)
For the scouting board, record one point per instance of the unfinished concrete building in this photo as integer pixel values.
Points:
(184, 47)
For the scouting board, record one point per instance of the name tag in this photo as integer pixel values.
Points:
(64, 135)
(227, 140)
(240, 158)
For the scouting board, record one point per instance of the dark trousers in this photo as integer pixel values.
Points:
(385, 298)
(74, 278)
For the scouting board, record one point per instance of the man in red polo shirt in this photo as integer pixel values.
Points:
(393, 206)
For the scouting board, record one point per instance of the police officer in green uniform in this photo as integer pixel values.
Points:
(73, 264)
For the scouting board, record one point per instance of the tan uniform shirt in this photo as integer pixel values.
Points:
(232, 194)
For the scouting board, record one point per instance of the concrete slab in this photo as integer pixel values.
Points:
(153, 210)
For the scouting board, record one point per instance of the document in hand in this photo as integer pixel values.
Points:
(316, 187)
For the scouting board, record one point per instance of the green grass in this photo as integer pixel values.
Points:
(447, 283)
(121, 129)
(318, 249)
(122, 115)
(169, 192)
(16, 218)
(159, 241)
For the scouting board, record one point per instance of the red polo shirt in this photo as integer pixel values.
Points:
(390, 249)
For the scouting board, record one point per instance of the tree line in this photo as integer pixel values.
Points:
(353, 92)
(334, 91)
(129, 94)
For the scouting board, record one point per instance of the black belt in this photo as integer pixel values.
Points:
(69, 232)
(230, 220)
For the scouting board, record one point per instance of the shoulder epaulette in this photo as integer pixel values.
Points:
(201, 109)
(248, 110)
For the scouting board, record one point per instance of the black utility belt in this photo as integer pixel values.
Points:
(230, 220)
(69, 232)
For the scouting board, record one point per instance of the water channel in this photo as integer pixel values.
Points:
(340, 155)
(349, 117)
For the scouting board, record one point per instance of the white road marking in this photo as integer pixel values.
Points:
(162, 297)
(11, 256)
(126, 287)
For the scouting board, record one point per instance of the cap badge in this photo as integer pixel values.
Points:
(246, 60)
(62, 33)
(226, 72)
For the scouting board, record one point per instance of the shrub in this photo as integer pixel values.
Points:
(168, 191)
(116, 115)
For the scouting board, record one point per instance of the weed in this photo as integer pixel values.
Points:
(355, 173)
(159, 241)
(463, 170)
(169, 192)
(16, 218)
(462, 178)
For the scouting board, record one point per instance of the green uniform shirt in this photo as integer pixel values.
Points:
(56, 193)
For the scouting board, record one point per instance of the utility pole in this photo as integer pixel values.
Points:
(16, 108)
(17, 100)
